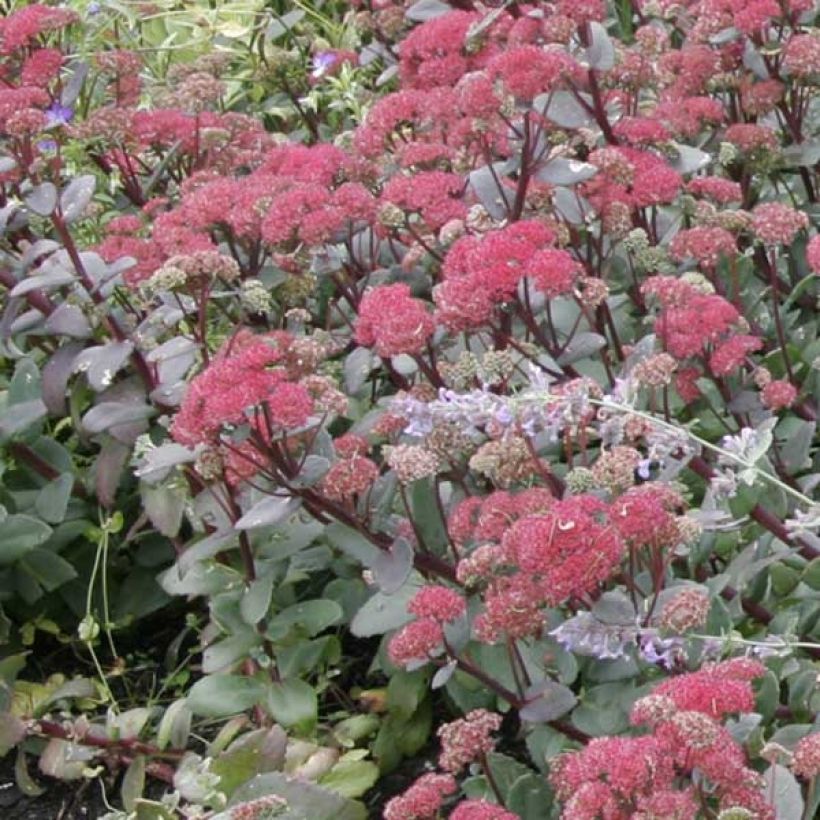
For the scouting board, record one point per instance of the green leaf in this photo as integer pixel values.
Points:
(312, 616)
(175, 726)
(251, 754)
(811, 574)
(546, 701)
(506, 771)
(783, 792)
(352, 543)
(385, 612)
(350, 777)
(427, 515)
(18, 535)
(164, 507)
(269, 511)
(52, 500)
(530, 798)
(293, 703)
(222, 695)
(17, 418)
(133, 783)
(49, 569)
(256, 599)
(222, 655)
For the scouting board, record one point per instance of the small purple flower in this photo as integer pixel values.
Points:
(58, 114)
(47, 145)
(664, 652)
(323, 61)
(93, 8)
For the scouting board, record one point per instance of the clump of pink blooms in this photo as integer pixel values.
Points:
(621, 777)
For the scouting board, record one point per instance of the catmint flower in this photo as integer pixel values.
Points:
(663, 652)
(322, 63)
(57, 114)
(584, 634)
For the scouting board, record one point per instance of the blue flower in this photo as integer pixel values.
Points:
(58, 114)
(322, 63)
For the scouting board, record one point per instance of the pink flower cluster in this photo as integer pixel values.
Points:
(623, 777)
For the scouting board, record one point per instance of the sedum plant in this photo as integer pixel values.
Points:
(446, 373)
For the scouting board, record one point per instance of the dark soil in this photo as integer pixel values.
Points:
(60, 801)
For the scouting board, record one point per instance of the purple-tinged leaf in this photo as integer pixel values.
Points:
(43, 199)
(108, 470)
(158, 462)
(424, 10)
(68, 320)
(56, 374)
(269, 511)
(391, 569)
(19, 417)
(108, 414)
(103, 362)
(546, 701)
(76, 196)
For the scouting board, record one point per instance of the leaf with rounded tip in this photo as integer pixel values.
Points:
(68, 320)
(269, 511)
(391, 569)
(158, 462)
(293, 703)
(312, 617)
(76, 196)
(563, 171)
(109, 414)
(74, 84)
(783, 792)
(570, 205)
(582, 346)
(109, 467)
(103, 362)
(47, 279)
(564, 109)
(358, 365)
(175, 726)
(164, 507)
(601, 52)
(383, 612)
(133, 783)
(19, 417)
(52, 501)
(487, 184)
(546, 701)
(56, 373)
(424, 10)
(43, 199)
(256, 599)
(223, 695)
